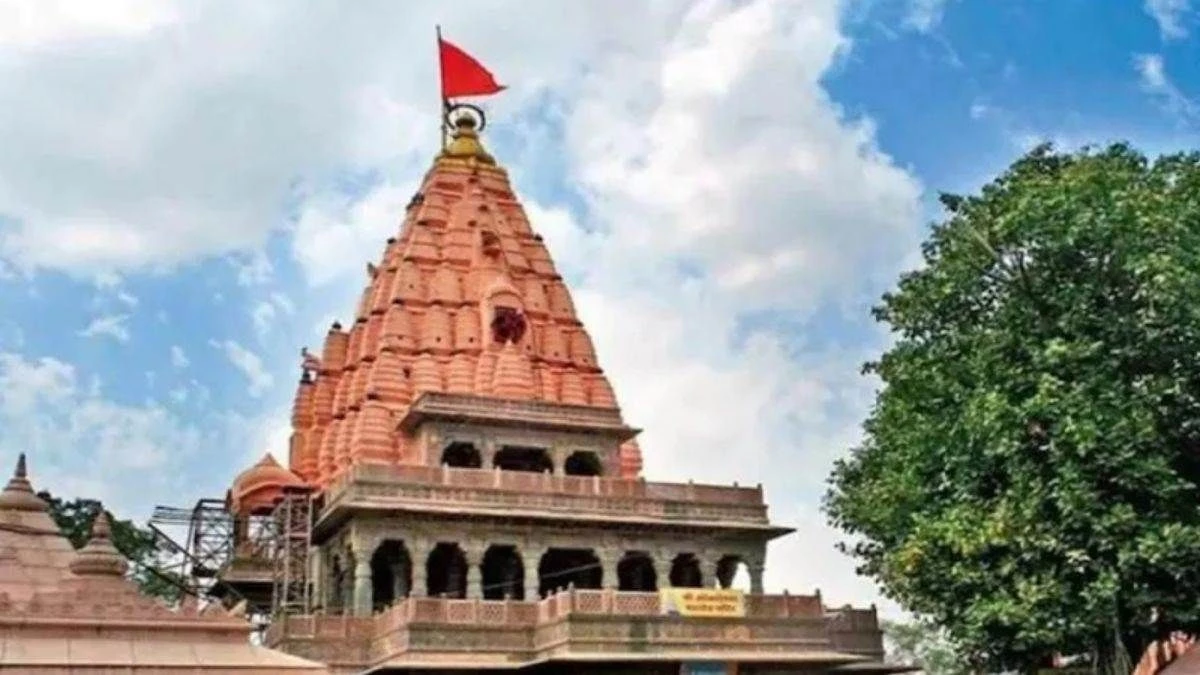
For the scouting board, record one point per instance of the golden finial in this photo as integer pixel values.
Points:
(465, 144)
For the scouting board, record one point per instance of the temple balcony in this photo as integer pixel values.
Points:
(442, 489)
(579, 625)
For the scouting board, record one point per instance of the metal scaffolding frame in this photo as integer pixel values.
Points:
(207, 547)
(292, 552)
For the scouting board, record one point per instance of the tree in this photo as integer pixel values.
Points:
(138, 545)
(1028, 473)
(923, 644)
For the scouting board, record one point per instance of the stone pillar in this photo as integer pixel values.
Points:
(531, 557)
(473, 555)
(756, 576)
(708, 572)
(362, 586)
(609, 560)
(400, 587)
(662, 569)
(419, 552)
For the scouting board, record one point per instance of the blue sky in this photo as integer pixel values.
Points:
(189, 194)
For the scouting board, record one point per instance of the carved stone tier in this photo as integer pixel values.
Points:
(488, 492)
(467, 408)
(581, 624)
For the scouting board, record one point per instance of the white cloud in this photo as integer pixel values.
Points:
(179, 358)
(265, 311)
(79, 442)
(43, 23)
(253, 270)
(111, 325)
(925, 15)
(1154, 80)
(127, 298)
(249, 364)
(1170, 16)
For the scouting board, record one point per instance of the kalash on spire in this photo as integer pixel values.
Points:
(462, 491)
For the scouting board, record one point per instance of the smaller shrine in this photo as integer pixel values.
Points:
(68, 611)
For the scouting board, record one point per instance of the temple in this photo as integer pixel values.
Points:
(462, 492)
(68, 611)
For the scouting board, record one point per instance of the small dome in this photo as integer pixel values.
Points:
(256, 489)
(99, 557)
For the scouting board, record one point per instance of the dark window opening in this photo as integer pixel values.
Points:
(727, 569)
(508, 325)
(503, 574)
(462, 455)
(446, 572)
(535, 460)
(685, 571)
(583, 463)
(635, 572)
(391, 574)
(563, 567)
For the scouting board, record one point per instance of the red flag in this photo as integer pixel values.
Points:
(462, 75)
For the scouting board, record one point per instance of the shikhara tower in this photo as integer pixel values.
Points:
(463, 492)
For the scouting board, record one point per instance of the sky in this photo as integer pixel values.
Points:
(190, 192)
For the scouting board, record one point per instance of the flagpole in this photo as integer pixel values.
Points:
(442, 93)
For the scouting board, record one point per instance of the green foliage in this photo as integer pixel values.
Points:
(1028, 476)
(138, 545)
(925, 645)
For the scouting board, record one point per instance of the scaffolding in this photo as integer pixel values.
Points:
(207, 547)
(292, 552)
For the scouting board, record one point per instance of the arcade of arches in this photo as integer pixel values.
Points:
(397, 569)
(463, 455)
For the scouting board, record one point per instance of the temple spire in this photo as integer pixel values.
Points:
(18, 495)
(99, 558)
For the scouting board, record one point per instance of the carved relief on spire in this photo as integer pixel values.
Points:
(460, 376)
(444, 287)
(573, 392)
(435, 331)
(426, 374)
(372, 439)
(513, 376)
(333, 356)
(388, 380)
(408, 284)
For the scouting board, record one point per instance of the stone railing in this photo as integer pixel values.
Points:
(443, 486)
(587, 620)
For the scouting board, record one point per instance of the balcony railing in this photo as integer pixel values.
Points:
(523, 629)
(516, 490)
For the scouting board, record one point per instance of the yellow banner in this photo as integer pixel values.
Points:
(703, 602)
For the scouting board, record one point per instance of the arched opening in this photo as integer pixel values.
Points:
(732, 572)
(635, 572)
(462, 455)
(391, 574)
(685, 571)
(583, 463)
(563, 567)
(446, 572)
(503, 574)
(512, 458)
